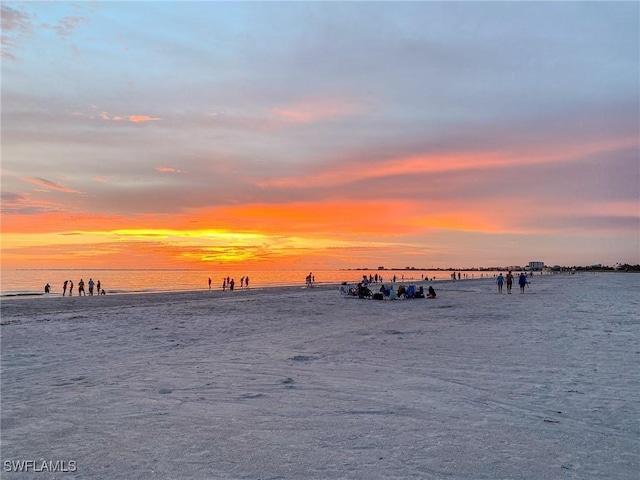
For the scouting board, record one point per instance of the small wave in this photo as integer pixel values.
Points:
(22, 294)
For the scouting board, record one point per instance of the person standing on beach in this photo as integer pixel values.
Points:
(232, 284)
(500, 281)
(47, 288)
(91, 285)
(64, 287)
(246, 282)
(70, 288)
(81, 288)
(209, 283)
(522, 280)
(509, 281)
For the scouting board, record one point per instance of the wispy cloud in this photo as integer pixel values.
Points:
(67, 25)
(130, 118)
(15, 25)
(23, 204)
(142, 118)
(48, 184)
(315, 110)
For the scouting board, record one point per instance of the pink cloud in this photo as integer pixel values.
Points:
(48, 184)
(357, 169)
(315, 110)
(168, 170)
(130, 118)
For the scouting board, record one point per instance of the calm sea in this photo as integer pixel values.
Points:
(32, 282)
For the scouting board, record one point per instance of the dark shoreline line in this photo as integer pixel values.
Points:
(317, 285)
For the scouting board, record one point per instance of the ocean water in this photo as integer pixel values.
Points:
(32, 282)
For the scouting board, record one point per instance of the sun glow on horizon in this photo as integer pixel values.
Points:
(170, 247)
(408, 139)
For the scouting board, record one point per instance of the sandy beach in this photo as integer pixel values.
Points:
(295, 383)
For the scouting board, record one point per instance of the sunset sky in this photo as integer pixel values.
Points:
(319, 135)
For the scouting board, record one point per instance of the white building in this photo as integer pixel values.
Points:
(536, 265)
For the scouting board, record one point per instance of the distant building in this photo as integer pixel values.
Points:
(536, 265)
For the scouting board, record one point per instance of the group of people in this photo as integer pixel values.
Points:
(501, 280)
(407, 292)
(81, 288)
(230, 283)
(362, 290)
(378, 278)
(374, 278)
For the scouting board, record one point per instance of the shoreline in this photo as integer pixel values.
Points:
(324, 285)
(140, 281)
(301, 286)
(41, 295)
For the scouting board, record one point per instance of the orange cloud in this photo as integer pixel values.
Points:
(268, 235)
(142, 118)
(130, 118)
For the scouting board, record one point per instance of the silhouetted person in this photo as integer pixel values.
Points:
(509, 281)
(522, 280)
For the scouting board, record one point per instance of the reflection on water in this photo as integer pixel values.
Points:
(25, 282)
